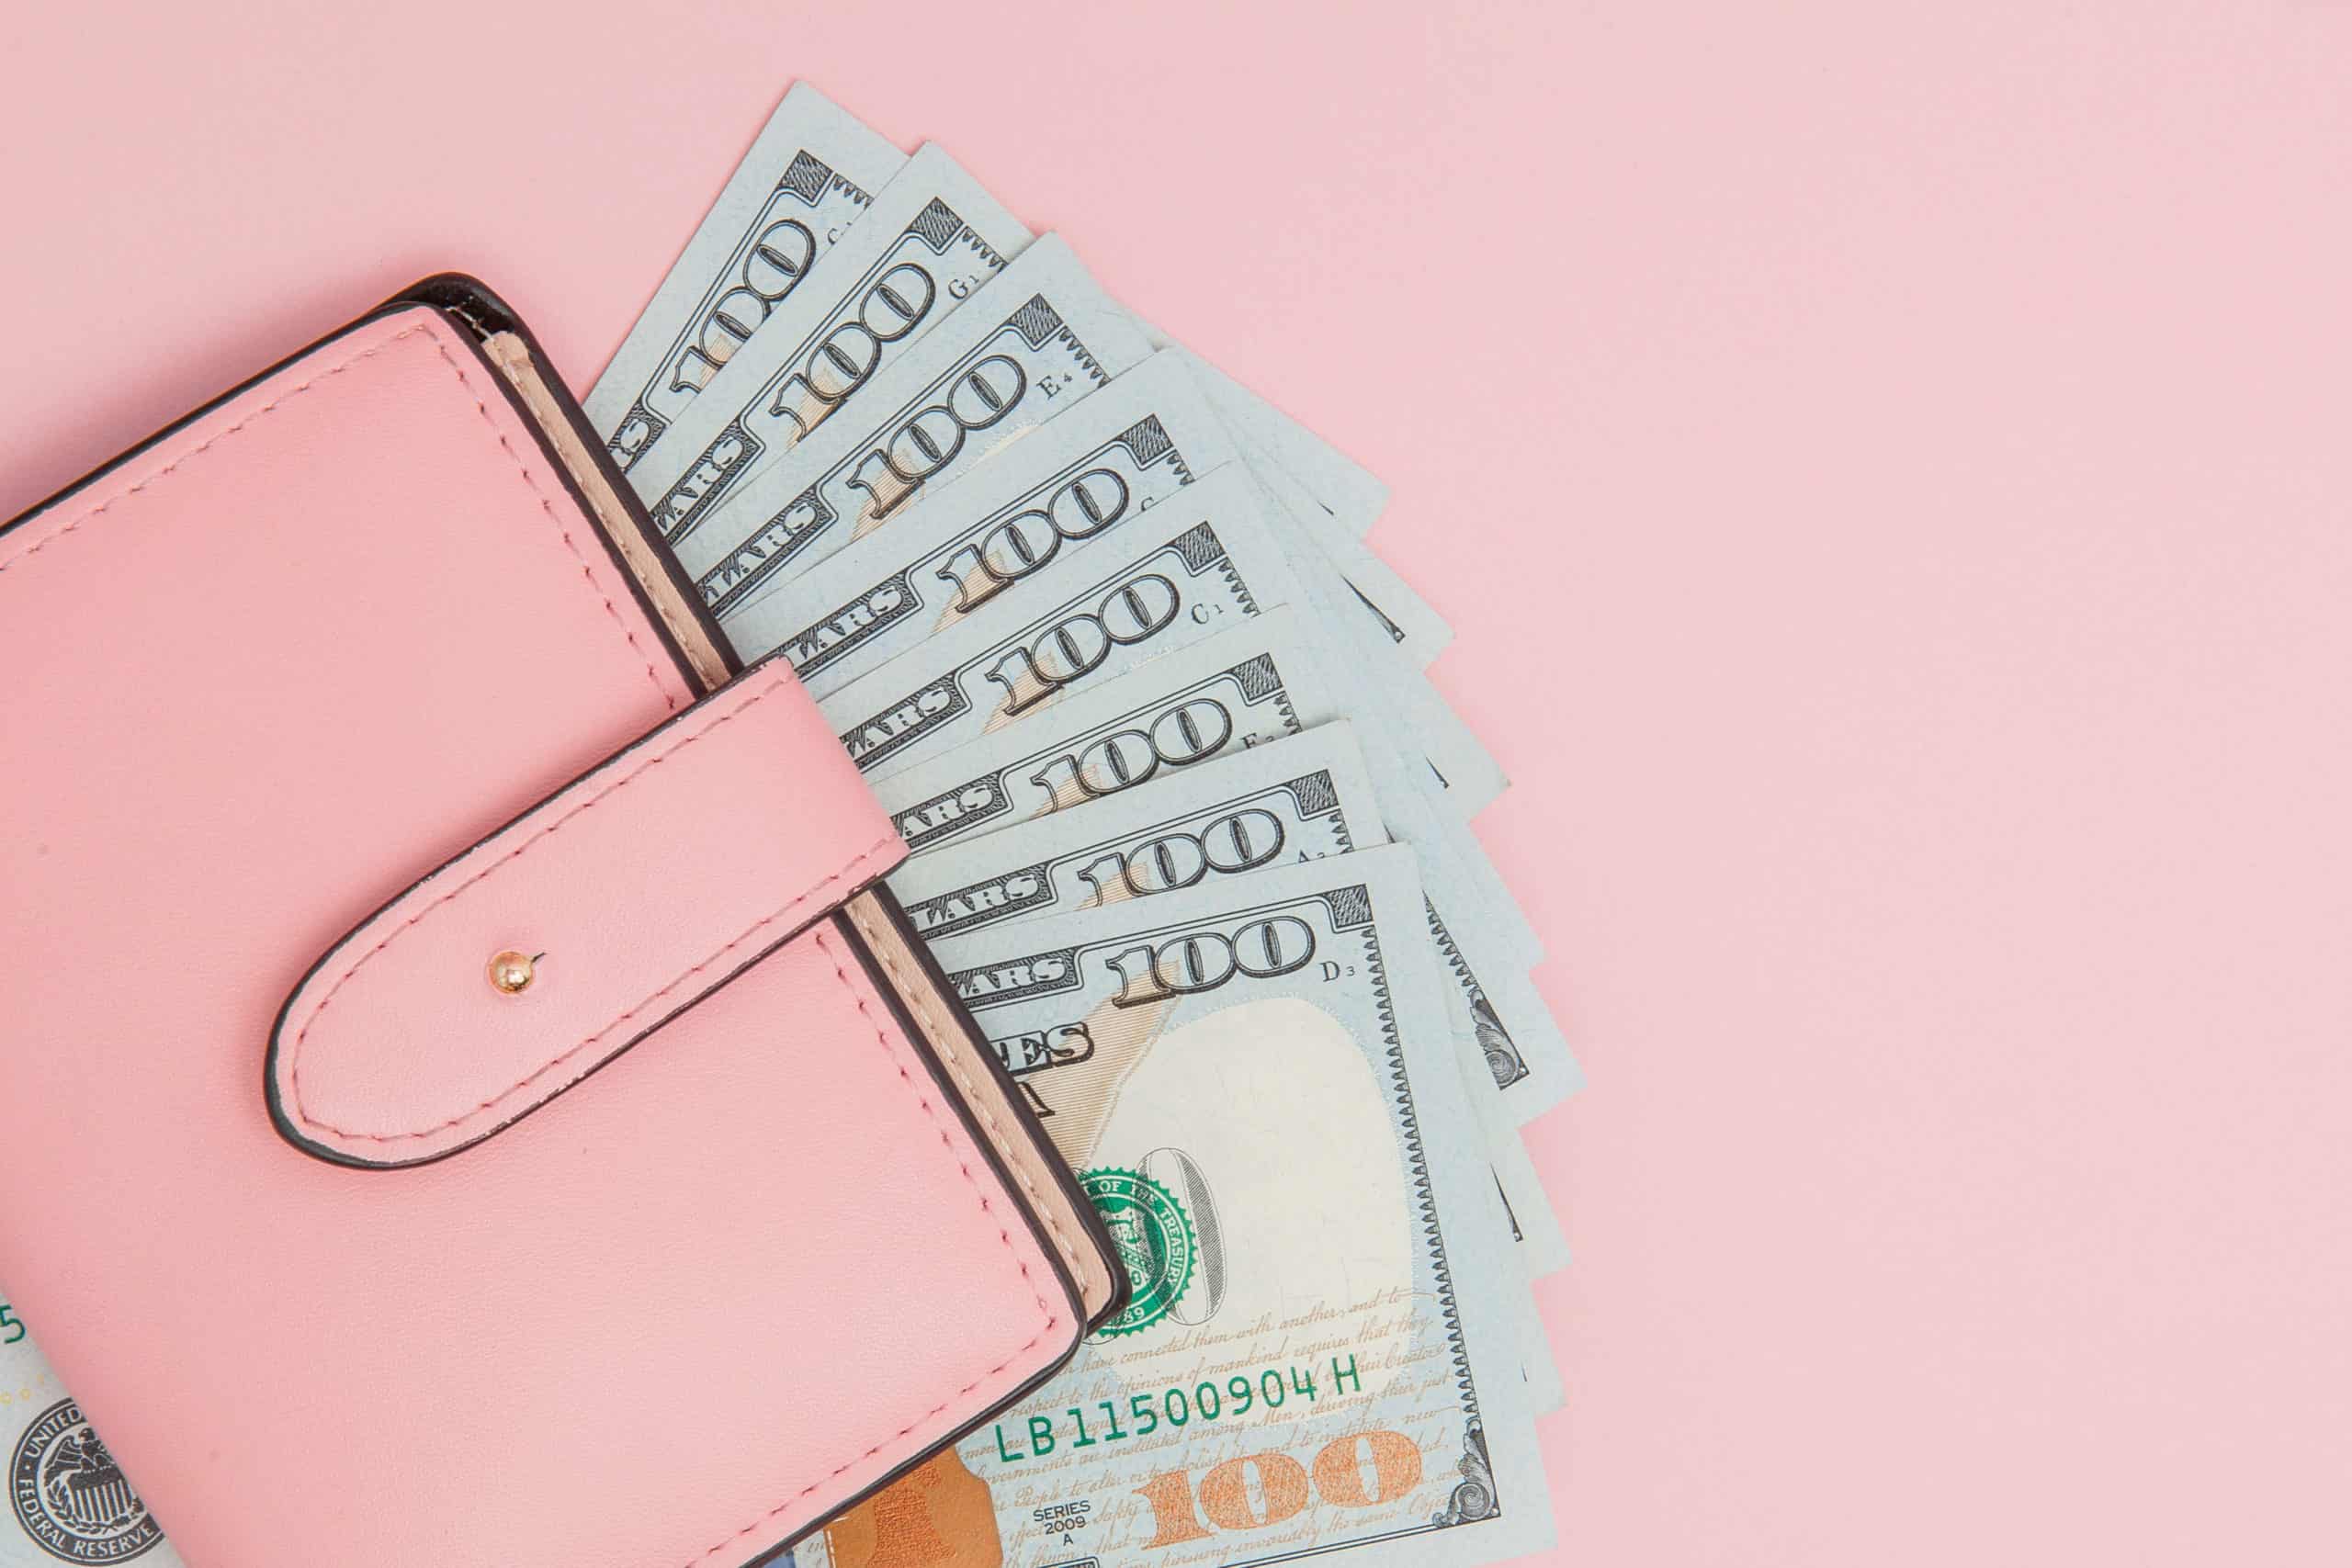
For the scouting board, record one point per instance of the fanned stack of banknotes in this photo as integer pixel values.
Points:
(1188, 834)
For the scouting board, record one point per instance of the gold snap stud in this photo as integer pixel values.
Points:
(511, 972)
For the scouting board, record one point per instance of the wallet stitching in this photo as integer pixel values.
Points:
(669, 700)
(757, 695)
(425, 329)
(944, 1041)
(1052, 1320)
(640, 558)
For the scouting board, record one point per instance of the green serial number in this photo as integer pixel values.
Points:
(1082, 1427)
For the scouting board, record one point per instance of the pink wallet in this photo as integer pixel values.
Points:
(471, 1101)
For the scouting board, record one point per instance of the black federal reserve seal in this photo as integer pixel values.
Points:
(70, 1497)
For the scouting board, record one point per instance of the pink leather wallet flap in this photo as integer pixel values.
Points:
(754, 1228)
(617, 903)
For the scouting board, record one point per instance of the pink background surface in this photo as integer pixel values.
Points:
(1889, 476)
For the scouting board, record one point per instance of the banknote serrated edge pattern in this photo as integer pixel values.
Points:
(1411, 1127)
(1454, 960)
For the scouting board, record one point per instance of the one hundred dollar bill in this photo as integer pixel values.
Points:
(1319, 1359)
(797, 192)
(1255, 683)
(1073, 480)
(1300, 798)
(1199, 563)
(1039, 337)
(68, 1501)
(1243, 687)
(1482, 936)
(932, 239)
(1000, 532)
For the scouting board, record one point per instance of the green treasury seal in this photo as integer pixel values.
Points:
(1154, 1236)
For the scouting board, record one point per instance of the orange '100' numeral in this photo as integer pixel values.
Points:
(1352, 1472)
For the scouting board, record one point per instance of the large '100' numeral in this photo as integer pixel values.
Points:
(1080, 508)
(1351, 1471)
(845, 358)
(1193, 729)
(1203, 961)
(930, 439)
(1236, 841)
(773, 268)
(1129, 614)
